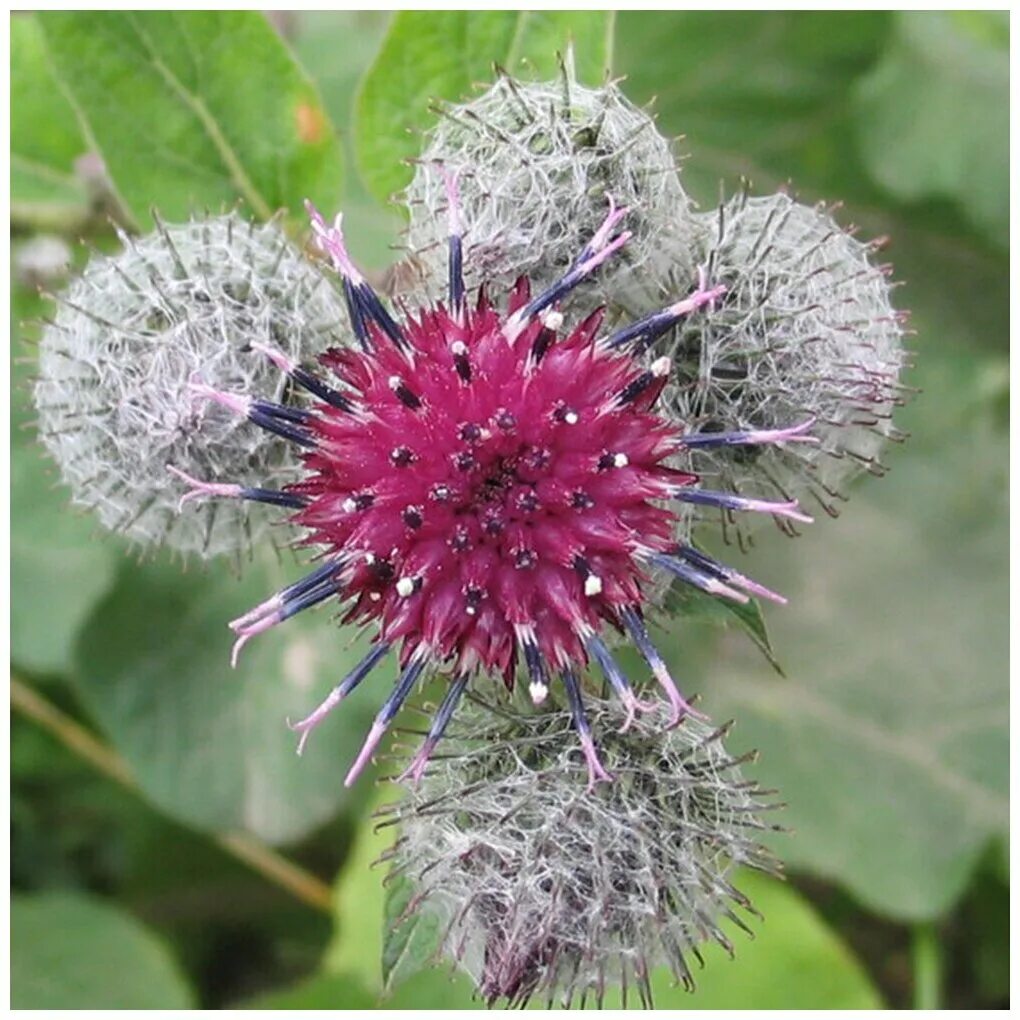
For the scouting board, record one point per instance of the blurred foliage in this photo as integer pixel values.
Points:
(169, 102)
(430, 55)
(888, 733)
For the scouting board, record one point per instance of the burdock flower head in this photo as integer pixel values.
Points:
(539, 161)
(806, 329)
(539, 887)
(490, 487)
(116, 363)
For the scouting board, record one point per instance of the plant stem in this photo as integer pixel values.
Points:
(926, 957)
(289, 876)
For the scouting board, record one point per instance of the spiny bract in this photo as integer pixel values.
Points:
(806, 329)
(539, 888)
(538, 162)
(487, 487)
(115, 367)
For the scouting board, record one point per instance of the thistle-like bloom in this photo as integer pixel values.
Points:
(806, 329)
(540, 161)
(490, 488)
(115, 367)
(538, 887)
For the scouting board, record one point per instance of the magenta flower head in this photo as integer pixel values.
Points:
(490, 488)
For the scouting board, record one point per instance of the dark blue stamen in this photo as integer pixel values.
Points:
(271, 423)
(576, 702)
(274, 497)
(609, 666)
(442, 717)
(639, 635)
(635, 388)
(294, 414)
(361, 670)
(699, 576)
(705, 497)
(357, 316)
(647, 329)
(299, 603)
(456, 273)
(312, 580)
(326, 393)
(370, 305)
(408, 678)
(536, 664)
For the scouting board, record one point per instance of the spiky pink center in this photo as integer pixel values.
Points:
(486, 492)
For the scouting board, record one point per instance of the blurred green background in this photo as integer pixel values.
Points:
(168, 847)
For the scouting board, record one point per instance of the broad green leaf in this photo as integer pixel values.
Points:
(210, 745)
(74, 952)
(430, 55)
(193, 109)
(933, 116)
(45, 137)
(60, 565)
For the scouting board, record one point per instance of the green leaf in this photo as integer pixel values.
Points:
(360, 902)
(45, 137)
(685, 601)
(794, 962)
(210, 745)
(933, 116)
(73, 952)
(196, 108)
(429, 989)
(430, 55)
(409, 943)
(324, 991)
(60, 566)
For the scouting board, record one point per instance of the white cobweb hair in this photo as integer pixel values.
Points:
(537, 164)
(112, 394)
(806, 329)
(543, 888)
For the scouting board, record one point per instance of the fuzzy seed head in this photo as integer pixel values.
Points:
(544, 889)
(536, 164)
(806, 329)
(129, 336)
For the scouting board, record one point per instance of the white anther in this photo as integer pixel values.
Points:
(458, 347)
(538, 691)
(552, 319)
(592, 586)
(620, 460)
(349, 506)
(570, 417)
(661, 367)
(405, 587)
